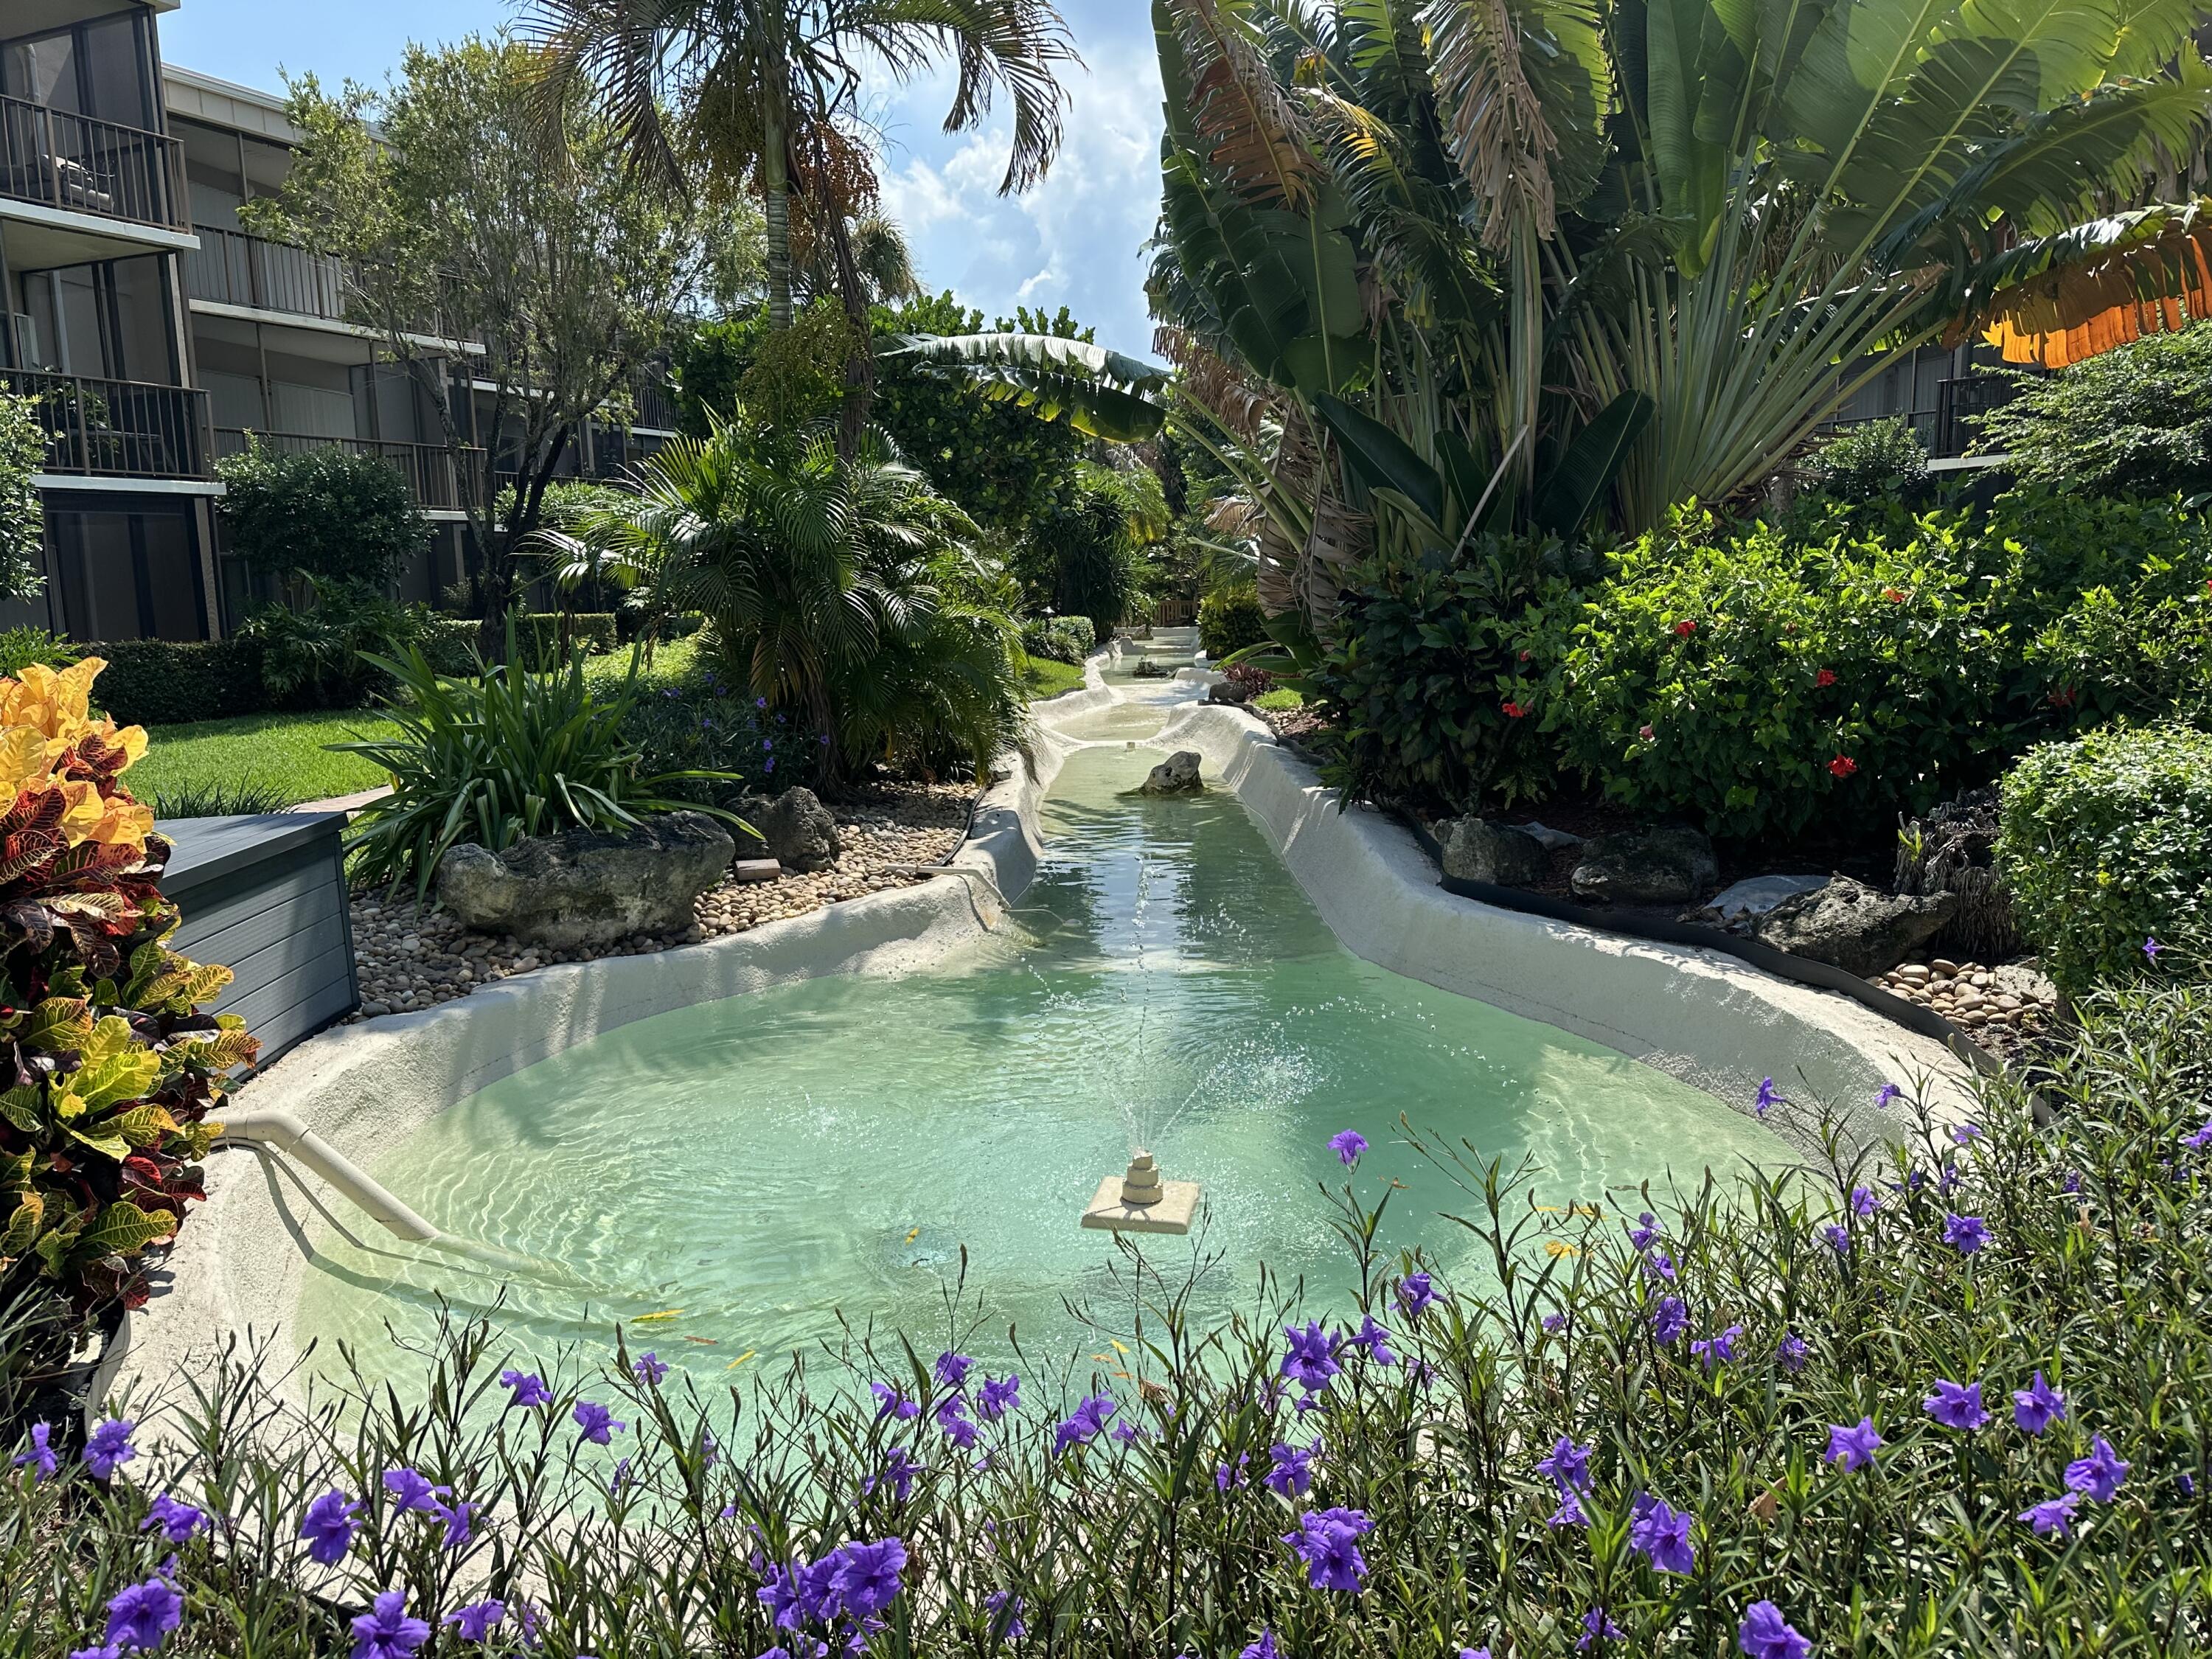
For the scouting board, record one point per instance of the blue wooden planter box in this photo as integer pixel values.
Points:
(264, 895)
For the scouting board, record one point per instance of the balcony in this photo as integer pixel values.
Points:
(79, 165)
(428, 468)
(116, 428)
(232, 269)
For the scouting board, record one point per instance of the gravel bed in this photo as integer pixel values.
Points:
(2004, 1008)
(412, 958)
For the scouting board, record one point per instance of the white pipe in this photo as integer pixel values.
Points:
(282, 1132)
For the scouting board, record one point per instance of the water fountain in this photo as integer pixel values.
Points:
(1140, 1201)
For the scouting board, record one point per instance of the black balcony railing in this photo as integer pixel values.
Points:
(654, 407)
(428, 468)
(50, 157)
(232, 269)
(118, 428)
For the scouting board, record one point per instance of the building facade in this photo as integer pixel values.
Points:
(158, 336)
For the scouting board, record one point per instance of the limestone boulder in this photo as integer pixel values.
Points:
(1737, 908)
(586, 888)
(1176, 775)
(1228, 691)
(794, 828)
(1475, 849)
(1668, 864)
(1857, 928)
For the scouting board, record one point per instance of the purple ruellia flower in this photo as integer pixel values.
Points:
(142, 1615)
(1311, 1361)
(867, 1579)
(1264, 1648)
(1965, 1233)
(329, 1526)
(1863, 1201)
(460, 1519)
(388, 1631)
(1661, 1532)
(1415, 1294)
(2037, 1406)
(898, 1473)
(108, 1447)
(2202, 1139)
(1597, 1626)
(524, 1387)
(1645, 1233)
(1006, 1612)
(1853, 1447)
(1347, 1145)
(2053, 1517)
(1793, 1353)
(1475, 1653)
(1670, 1319)
(650, 1369)
(178, 1522)
(951, 1369)
(2151, 948)
(111, 1652)
(596, 1421)
(410, 1491)
(1966, 1134)
(1657, 1264)
(1555, 1322)
(1128, 1433)
(890, 1402)
(952, 1417)
(1956, 1405)
(1291, 1472)
(1328, 1542)
(1768, 1098)
(1717, 1350)
(1887, 1093)
(998, 1397)
(1372, 1337)
(2099, 1474)
(1765, 1634)
(1085, 1423)
(1225, 1477)
(1569, 1514)
(1840, 1241)
(1568, 1465)
(474, 1622)
(40, 1457)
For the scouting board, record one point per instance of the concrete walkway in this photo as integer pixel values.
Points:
(346, 804)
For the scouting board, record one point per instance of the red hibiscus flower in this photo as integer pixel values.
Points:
(1528, 656)
(1825, 678)
(1648, 733)
(1685, 627)
(1513, 711)
(1843, 766)
(1894, 595)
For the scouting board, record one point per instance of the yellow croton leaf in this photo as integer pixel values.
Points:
(27, 759)
(54, 704)
(59, 1023)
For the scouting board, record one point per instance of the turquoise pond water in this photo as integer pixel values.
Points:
(766, 1164)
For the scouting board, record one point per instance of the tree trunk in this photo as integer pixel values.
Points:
(859, 359)
(775, 208)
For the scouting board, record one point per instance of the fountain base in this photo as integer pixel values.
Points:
(1141, 1202)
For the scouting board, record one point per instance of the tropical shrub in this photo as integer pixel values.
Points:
(168, 682)
(1084, 556)
(334, 514)
(2133, 420)
(22, 511)
(510, 752)
(1874, 461)
(115, 1069)
(1422, 670)
(1947, 1395)
(316, 655)
(1063, 639)
(449, 642)
(1229, 619)
(21, 647)
(2105, 843)
(704, 721)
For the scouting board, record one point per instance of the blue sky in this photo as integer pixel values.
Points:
(1073, 241)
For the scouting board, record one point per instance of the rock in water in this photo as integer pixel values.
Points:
(794, 827)
(1671, 864)
(1475, 849)
(1176, 775)
(585, 888)
(1228, 691)
(1851, 925)
(1748, 900)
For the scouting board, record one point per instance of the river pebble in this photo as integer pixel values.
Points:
(2003, 1008)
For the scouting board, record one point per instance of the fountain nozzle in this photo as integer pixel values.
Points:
(1139, 1201)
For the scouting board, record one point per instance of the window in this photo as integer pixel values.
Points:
(125, 576)
(97, 69)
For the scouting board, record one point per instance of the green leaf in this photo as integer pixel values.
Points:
(1381, 458)
(1583, 477)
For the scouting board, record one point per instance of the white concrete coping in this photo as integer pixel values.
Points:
(1698, 1015)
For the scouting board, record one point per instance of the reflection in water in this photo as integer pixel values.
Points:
(759, 1164)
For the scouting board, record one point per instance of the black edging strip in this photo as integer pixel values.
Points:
(1802, 970)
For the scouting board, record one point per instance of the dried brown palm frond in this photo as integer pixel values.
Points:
(1499, 134)
(1295, 472)
(1254, 132)
(1235, 400)
(1341, 540)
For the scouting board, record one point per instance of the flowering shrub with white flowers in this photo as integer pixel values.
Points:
(1945, 1396)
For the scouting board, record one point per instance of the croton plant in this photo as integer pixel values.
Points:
(108, 1068)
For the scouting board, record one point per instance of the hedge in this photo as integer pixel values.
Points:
(169, 682)
(450, 644)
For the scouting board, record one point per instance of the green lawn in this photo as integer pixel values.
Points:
(278, 757)
(1043, 678)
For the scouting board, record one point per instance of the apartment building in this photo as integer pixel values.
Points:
(159, 336)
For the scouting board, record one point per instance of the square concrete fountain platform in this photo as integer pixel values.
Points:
(1177, 1205)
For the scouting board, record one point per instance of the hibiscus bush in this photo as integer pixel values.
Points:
(112, 1069)
(1946, 1393)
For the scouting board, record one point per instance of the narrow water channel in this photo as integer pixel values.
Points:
(758, 1168)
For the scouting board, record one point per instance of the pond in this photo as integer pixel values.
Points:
(754, 1170)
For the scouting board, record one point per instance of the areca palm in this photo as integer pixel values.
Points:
(765, 87)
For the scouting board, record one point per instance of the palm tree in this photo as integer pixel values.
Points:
(765, 88)
(832, 587)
